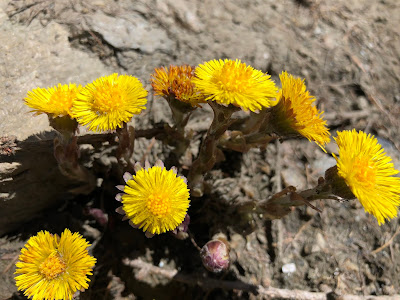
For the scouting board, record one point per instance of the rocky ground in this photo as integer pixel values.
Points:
(349, 53)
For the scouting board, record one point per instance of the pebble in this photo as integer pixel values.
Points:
(294, 177)
(320, 243)
(321, 164)
(289, 268)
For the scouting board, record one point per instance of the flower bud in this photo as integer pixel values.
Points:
(181, 232)
(215, 255)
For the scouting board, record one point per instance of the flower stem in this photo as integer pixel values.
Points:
(176, 135)
(256, 132)
(126, 143)
(208, 151)
(66, 152)
(279, 205)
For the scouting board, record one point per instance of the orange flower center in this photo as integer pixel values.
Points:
(159, 204)
(107, 98)
(233, 77)
(52, 267)
(181, 85)
(364, 171)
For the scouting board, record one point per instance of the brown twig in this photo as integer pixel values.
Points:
(278, 168)
(12, 263)
(388, 243)
(264, 292)
(297, 235)
(348, 115)
(148, 149)
(158, 132)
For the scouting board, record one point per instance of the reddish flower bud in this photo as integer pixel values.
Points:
(181, 232)
(99, 216)
(215, 255)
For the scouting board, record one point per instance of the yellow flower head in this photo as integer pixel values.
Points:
(233, 82)
(155, 199)
(108, 102)
(368, 172)
(55, 101)
(176, 82)
(54, 267)
(296, 113)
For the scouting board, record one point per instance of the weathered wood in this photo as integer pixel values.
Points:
(30, 182)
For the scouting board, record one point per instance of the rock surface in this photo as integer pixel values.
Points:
(36, 56)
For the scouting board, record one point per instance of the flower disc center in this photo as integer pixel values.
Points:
(107, 98)
(234, 77)
(159, 204)
(52, 267)
(364, 171)
(62, 98)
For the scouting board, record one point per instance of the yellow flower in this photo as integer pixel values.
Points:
(368, 172)
(54, 267)
(232, 82)
(155, 199)
(176, 82)
(108, 102)
(295, 112)
(56, 101)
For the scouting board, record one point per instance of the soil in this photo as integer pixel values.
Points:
(347, 50)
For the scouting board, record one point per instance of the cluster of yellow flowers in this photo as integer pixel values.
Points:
(156, 199)
(102, 105)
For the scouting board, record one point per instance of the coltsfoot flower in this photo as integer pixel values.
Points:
(155, 199)
(296, 114)
(368, 172)
(55, 101)
(53, 267)
(233, 82)
(176, 82)
(108, 102)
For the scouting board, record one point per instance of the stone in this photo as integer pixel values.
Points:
(289, 268)
(36, 56)
(294, 177)
(133, 33)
